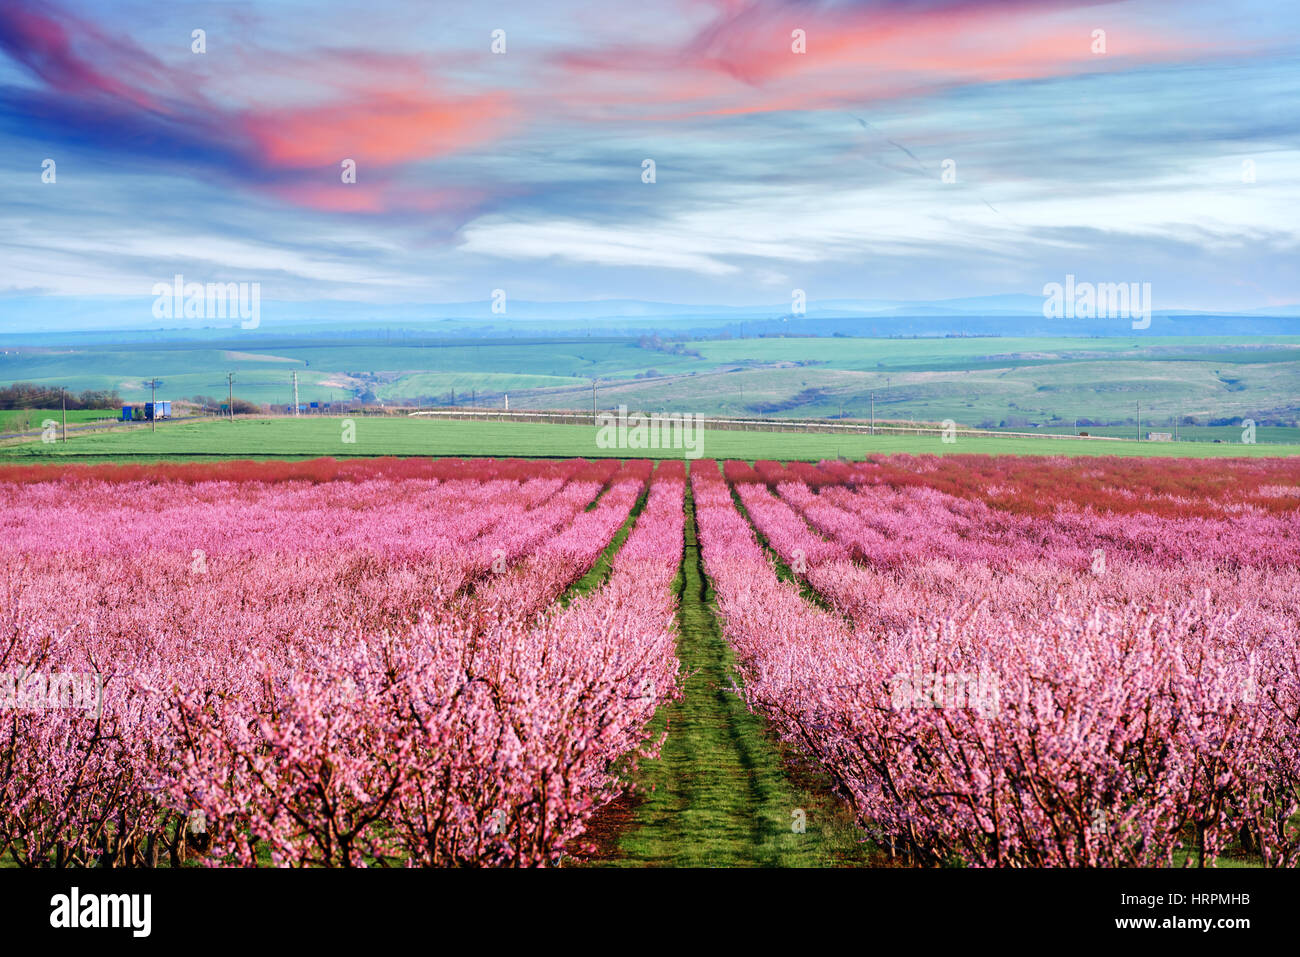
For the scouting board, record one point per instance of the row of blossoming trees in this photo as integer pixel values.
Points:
(337, 664)
(1026, 662)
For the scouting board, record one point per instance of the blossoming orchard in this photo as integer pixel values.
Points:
(974, 661)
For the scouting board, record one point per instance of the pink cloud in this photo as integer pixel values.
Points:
(742, 62)
(377, 129)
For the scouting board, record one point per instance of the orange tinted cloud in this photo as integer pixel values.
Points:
(376, 129)
(377, 198)
(742, 62)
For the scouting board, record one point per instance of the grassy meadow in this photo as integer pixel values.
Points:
(987, 382)
(311, 437)
(21, 420)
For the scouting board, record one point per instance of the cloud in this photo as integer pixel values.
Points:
(476, 169)
(742, 59)
(135, 106)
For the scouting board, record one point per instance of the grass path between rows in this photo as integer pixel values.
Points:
(723, 792)
(599, 572)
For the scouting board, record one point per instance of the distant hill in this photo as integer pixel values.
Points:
(54, 319)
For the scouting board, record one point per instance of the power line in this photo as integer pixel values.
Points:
(153, 405)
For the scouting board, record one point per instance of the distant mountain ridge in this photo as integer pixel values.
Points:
(1003, 315)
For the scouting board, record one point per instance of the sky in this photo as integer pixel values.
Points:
(1165, 150)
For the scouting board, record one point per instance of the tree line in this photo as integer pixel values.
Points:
(31, 395)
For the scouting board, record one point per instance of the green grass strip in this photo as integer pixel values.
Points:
(783, 571)
(599, 572)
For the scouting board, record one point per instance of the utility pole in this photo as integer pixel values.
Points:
(63, 396)
(1176, 418)
(873, 413)
(593, 401)
(1139, 435)
(473, 397)
(230, 395)
(453, 398)
(295, 393)
(153, 405)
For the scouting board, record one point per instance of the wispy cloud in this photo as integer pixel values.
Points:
(477, 170)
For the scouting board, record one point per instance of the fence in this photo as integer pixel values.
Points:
(856, 427)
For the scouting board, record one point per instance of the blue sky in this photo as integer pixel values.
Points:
(775, 170)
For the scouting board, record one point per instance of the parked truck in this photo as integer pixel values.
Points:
(147, 412)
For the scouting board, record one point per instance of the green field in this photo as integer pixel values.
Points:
(1230, 434)
(392, 435)
(986, 382)
(977, 382)
(20, 420)
(465, 384)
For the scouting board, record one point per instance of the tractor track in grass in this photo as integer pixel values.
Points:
(724, 792)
